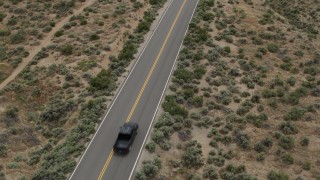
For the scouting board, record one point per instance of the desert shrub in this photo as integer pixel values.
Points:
(157, 136)
(208, 16)
(12, 21)
(66, 49)
(18, 37)
(286, 142)
(183, 75)
(294, 114)
(143, 26)
(3, 150)
(11, 115)
(171, 106)
(164, 120)
(35, 157)
(127, 52)
(299, 53)
(242, 111)
(260, 108)
(287, 159)
(167, 131)
(235, 172)
(224, 97)
(197, 101)
(286, 66)
(64, 6)
(59, 33)
(306, 165)
(11, 112)
(151, 147)
(57, 163)
(2, 16)
(210, 172)
(188, 93)
(261, 156)
(234, 72)
(83, 22)
(305, 141)
(269, 93)
(300, 92)
(259, 147)
(104, 81)
(175, 163)
(293, 99)
(257, 120)
(312, 70)
(273, 48)
(3, 52)
(257, 41)
(255, 98)
(192, 156)
(291, 81)
(136, 5)
(245, 94)
(267, 18)
(267, 142)
(150, 168)
(140, 176)
(192, 176)
(288, 128)
(218, 161)
(228, 155)
(204, 122)
(243, 140)
(94, 37)
(213, 55)
(2, 175)
(56, 109)
(273, 175)
(199, 72)
(13, 165)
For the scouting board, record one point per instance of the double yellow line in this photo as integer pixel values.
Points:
(144, 86)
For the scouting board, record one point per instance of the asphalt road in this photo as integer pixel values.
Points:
(140, 95)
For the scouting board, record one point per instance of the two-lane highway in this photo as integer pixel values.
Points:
(138, 98)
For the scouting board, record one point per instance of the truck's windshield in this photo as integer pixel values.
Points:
(124, 136)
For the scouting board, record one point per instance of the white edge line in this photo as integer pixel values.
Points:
(156, 28)
(155, 113)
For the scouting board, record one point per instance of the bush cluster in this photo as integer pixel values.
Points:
(192, 155)
(149, 169)
(105, 81)
(59, 162)
(171, 106)
(235, 172)
(273, 175)
(56, 109)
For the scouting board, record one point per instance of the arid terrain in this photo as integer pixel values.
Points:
(68, 57)
(244, 100)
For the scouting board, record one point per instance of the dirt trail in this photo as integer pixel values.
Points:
(43, 43)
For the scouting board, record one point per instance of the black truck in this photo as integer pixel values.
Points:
(125, 138)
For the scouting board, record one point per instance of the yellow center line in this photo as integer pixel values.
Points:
(144, 86)
(106, 165)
